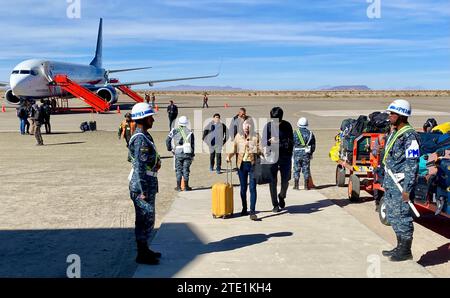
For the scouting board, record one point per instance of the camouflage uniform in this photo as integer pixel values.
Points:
(403, 157)
(302, 160)
(183, 161)
(143, 181)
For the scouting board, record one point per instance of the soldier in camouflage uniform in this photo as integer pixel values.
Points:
(143, 181)
(304, 147)
(401, 158)
(183, 148)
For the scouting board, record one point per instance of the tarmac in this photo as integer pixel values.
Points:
(311, 237)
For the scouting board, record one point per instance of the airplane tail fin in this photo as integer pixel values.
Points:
(97, 61)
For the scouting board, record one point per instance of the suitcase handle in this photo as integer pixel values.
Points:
(229, 173)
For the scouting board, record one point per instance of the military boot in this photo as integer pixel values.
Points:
(296, 183)
(186, 186)
(306, 185)
(145, 255)
(178, 188)
(403, 253)
(388, 253)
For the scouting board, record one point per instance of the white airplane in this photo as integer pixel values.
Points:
(33, 79)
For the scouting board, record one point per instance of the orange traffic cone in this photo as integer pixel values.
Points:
(226, 106)
(156, 108)
(118, 109)
(183, 185)
(3, 108)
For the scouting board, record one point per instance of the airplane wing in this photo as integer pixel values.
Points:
(150, 83)
(127, 69)
(3, 84)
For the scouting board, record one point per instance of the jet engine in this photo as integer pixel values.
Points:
(109, 94)
(11, 98)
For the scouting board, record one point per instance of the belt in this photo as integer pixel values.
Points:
(298, 149)
(152, 174)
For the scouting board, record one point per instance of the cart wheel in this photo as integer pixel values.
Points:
(382, 212)
(377, 195)
(214, 216)
(340, 176)
(353, 188)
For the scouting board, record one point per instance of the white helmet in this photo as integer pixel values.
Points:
(302, 122)
(183, 121)
(401, 107)
(141, 110)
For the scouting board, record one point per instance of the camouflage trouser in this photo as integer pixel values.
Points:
(37, 133)
(302, 163)
(145, 212)
(397, 211)
(183, 166)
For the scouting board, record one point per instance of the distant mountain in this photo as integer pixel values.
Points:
(345, 88)
(199, 88)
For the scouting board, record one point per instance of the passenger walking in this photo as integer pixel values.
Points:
(172, 113)
(38, 121)
(205, 101)
(248, 147)
(215, 136)
(47, 111)
(278, 143)
(153, 99)
(22, 114)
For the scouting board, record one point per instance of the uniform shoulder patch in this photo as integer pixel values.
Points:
(413, 150)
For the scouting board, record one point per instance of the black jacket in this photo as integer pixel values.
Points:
(285, 134)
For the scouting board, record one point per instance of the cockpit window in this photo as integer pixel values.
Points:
(32, 72)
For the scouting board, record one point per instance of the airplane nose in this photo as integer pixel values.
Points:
(19, 86)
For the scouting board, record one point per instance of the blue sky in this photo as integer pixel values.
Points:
(264, 44)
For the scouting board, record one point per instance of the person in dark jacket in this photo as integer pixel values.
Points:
(215, 136)
(172, 112)
(278, 140)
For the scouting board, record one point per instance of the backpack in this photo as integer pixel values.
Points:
(432, 142)
(359, 126)
(378, 122)
(84, 126)
(347, 125)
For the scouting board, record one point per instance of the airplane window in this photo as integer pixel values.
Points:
(24, 72)
(33, 72)
(15, 72)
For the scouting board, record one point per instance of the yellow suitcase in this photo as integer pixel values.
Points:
(222, 198)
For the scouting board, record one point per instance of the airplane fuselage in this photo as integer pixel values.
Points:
(30, 79)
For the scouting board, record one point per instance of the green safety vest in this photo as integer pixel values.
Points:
(392, 140)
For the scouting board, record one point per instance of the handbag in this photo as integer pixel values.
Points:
(262, 172)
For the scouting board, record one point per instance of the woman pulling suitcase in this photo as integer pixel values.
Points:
(248, 147)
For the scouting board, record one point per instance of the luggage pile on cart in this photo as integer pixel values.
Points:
(433, 185)
(358, 152)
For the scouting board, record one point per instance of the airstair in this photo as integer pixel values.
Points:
(90, 98)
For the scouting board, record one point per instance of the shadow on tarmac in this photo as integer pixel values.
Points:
(436, 257)
(180, 245)
(43, 253)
